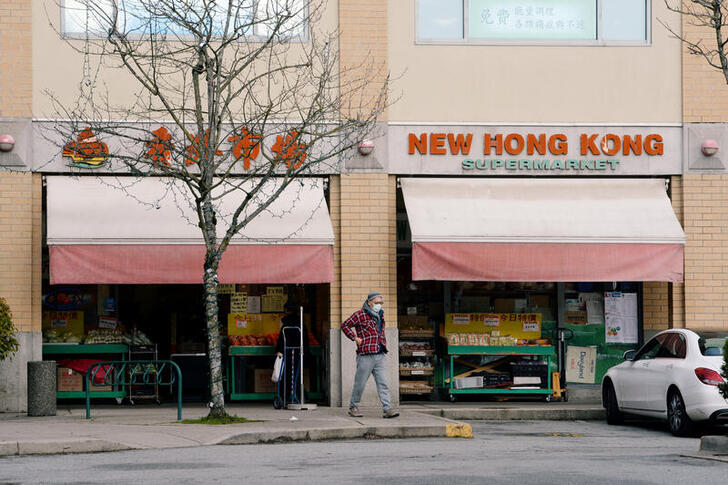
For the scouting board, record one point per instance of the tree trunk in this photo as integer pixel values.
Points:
(217, 397)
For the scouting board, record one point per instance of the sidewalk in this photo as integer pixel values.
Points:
(123, 427)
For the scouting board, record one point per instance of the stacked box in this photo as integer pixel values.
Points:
(537, 369)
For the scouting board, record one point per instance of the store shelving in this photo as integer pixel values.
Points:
(540, 352)
(416, 361)
(100, 352)
(239, 356)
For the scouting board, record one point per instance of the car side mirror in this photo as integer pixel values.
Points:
(629, 355)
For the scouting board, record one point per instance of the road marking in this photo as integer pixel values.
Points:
(458, 430)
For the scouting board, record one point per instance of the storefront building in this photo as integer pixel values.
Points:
(514, 185)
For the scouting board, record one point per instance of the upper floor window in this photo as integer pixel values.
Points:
(258, 18)
(583, 22)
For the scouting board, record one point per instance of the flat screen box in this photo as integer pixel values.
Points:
(468, 382)
(69, 380)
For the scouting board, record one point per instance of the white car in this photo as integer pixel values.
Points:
(674, 377)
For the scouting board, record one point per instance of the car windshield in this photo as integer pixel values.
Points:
(712, 344)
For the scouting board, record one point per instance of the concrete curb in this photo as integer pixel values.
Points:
(450, 430)
(519, 414)
(717, 445)
(82, 445)
(57, 447)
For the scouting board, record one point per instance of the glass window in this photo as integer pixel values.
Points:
(440, 19)
(137, 17)
(624, 20)
(650, 349)
(711, 344)
(541, 21)
(533, 20)
(673, 346)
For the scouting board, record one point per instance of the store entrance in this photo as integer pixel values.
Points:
(83, 324)
(499, 339)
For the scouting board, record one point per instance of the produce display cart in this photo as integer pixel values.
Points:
(506, 354)
(237, 383)
(56, 351)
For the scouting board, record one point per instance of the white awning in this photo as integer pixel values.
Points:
(144, 230)
(543, 230)
(113, 210)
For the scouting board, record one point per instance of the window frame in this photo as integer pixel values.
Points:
(598, 42)
(302, 38)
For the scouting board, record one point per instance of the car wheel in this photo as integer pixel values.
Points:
(614, 415)
(677, 419)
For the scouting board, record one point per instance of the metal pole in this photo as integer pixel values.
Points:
(301, 352)
(88, 396)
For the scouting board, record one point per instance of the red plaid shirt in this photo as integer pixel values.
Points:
(363, 325)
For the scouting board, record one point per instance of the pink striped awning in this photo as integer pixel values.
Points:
(543, 230)
(132, 231)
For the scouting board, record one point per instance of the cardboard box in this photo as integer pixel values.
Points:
(539, 300)
(69, 380)
(581, 364)
(576, 318)
(468, 382)
(412, 321)
(262, 382)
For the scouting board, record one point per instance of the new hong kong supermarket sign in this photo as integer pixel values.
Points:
(539, 150)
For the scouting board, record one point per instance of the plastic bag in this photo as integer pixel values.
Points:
(277, 368)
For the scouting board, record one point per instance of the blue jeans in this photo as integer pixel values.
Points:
(366, 365)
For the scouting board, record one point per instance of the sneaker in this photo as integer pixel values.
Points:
(354, 412)
(390, 413)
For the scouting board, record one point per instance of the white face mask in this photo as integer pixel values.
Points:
(377, 307)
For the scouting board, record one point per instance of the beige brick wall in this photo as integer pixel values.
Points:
(677, 290)
(705, 206)
(363, 50)
(705, 93)
(16, 79)
(20, 247)
(655, 308)
(365, 250)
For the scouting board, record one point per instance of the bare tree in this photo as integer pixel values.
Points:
(236, 98)
(711, 16)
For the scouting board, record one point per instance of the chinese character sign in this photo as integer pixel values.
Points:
(87, 151)
(246, 146)
(159, 148)
(193, 151)
(533, 20)
(290, 150)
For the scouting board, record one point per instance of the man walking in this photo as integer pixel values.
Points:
(366, 328)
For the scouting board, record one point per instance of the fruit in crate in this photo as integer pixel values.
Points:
(60, 336)
(105, 336)
(267, 339)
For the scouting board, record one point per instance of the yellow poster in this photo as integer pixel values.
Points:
(70, 322)
(273, 303)
(274, 290)
(226, 288)
(254, 323)
(239, 303)
(517, 325)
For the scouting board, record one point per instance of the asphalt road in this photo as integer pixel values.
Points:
(555, 452)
